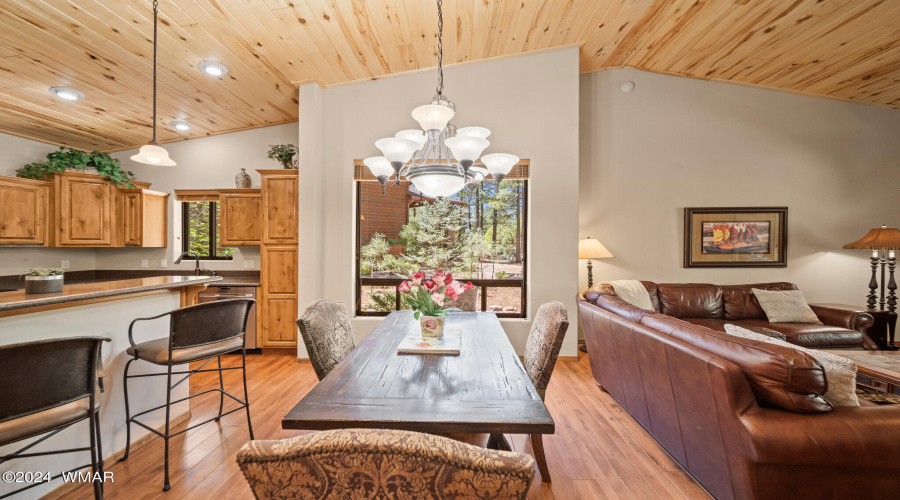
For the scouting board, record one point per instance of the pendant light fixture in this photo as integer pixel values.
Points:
(153, 153)
(438, 159)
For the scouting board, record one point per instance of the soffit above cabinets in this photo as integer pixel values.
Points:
(847, 49)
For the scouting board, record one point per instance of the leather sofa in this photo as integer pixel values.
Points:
(714, 306)
(746, 419)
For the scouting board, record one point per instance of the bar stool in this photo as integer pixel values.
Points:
(48, 386)
(196, 333)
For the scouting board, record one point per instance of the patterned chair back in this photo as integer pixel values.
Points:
(382, 464)
(327, 334)
(544, 341)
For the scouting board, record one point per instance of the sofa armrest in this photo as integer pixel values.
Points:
(849, 317)
(860, 436)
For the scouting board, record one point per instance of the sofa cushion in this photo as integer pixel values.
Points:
(653, 290)
(719, 325)
(779, 376)
(840, 372)
(740, 303)
(690, 300)
(808, 334)
(785, 306)
(618, 306)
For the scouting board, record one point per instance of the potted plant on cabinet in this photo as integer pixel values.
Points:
(74, 160)
(284, 154)
(43, 280)
(428, 296)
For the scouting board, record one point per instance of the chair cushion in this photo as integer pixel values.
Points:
(690, 300)
(157, 351)
(785, 306)
(740, 303)
(44, 421)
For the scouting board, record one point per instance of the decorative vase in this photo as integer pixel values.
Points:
(432, 326)
(44, 284)
(242, 179)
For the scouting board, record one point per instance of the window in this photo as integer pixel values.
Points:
(200, 230)
(477, 234)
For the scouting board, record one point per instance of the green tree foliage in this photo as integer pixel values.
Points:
(375, 251)
(430, 239)
(199, 232)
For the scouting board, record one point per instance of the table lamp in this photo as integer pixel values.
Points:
(589, 248)
(879, 241)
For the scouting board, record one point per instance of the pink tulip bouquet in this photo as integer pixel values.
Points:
(427, 296)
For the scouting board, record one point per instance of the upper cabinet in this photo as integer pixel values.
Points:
(240, 217)
(84, 210)
(24, 209)
(280, 191)
(145, 214)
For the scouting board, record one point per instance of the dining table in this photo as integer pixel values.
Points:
(485, 389)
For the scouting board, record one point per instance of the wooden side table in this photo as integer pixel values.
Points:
(882, 331)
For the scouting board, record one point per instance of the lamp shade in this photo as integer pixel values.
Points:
(467, 148)
(395, 149)
(153, 155)
(433, 116)
(380, 166)
(479, 132)
(499, 163)
(438, 184)
(589, 248)
(883, 238)
(415, 135)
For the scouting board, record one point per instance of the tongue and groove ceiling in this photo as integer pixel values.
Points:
(846, 49)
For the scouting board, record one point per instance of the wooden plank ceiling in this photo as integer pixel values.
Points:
(848, 49)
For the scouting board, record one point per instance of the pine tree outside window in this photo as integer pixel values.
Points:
(200, 230)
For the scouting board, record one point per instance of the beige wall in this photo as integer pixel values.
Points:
(676, 142)
(531, 105)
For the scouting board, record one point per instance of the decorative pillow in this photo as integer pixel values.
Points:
(785, 306)
(840, 372)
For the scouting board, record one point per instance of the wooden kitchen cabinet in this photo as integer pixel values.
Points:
(146, 217)
(280, 201)
(279, 296)
(24, 211)
(240, 217)
(84, 211)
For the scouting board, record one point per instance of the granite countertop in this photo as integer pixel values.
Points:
(18, 299)
(236, 281)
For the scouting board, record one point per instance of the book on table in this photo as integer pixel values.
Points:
(414, 343)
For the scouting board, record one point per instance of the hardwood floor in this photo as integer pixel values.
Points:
(598, 451)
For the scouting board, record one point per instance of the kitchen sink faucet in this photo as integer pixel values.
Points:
(196, 261)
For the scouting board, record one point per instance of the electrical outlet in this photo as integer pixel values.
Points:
(248, 264)
(64, 265)
(163, 263)
(145, 263)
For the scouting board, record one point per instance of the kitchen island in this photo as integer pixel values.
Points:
(99, 309)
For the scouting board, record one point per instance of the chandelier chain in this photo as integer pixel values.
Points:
(440, 87)
(155, 16)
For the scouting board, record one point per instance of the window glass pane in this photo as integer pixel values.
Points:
(378, 298)
(504, 299)
(224, 252)
(199, 234)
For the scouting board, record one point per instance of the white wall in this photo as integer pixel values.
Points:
(529, 102)
(676, 142)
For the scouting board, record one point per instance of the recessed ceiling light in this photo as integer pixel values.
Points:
(67, 94)
(181, 125)
(213, 68)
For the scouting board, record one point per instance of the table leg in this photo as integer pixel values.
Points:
(537, 444)
(498, 442)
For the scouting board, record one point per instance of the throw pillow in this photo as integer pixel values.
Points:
(785, 306)
(840, 372)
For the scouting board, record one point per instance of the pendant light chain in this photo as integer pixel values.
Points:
(155, 15)
(440, 87)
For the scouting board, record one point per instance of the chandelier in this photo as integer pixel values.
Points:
(439, 159)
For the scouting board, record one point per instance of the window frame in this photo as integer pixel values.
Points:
(213, 230)
(483, 284)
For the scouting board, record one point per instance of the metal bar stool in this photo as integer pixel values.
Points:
(48, 386)
(196, 333)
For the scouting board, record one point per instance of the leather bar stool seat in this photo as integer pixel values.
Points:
(157, 351)
(44, 421)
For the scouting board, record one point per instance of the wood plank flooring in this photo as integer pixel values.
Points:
(598, 451)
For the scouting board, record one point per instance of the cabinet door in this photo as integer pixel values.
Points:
(23, 211)
(145, 216)
(84, 210)
(240, 219)
(280, 206)
(134, 216)
(279, 296)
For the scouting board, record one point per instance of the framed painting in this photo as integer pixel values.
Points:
(735, 237)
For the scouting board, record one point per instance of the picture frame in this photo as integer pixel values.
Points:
(735, 237)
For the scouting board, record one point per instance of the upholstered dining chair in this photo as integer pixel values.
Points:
(327, 334)
(541, 350)
(382, 464)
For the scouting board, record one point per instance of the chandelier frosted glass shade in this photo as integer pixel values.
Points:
(466, 148)
(417, 136)
(433, 116)
(438, 182)
(380, 166)
(499, 164)
(396, 150)
(480, 132)
(155, 155)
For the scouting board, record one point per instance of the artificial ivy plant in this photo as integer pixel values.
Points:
(283, 153)
(63, 158)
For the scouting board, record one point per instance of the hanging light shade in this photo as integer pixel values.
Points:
(153, 153)
(433, 116)
(479, 132)
(466, 149)
(381, 168)
(499, 164)
(417, 136)
(396, 150)
(438, 183)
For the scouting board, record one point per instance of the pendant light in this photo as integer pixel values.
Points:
(153, 153)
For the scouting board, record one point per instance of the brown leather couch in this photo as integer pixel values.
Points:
(714, 306)
(746, 419)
